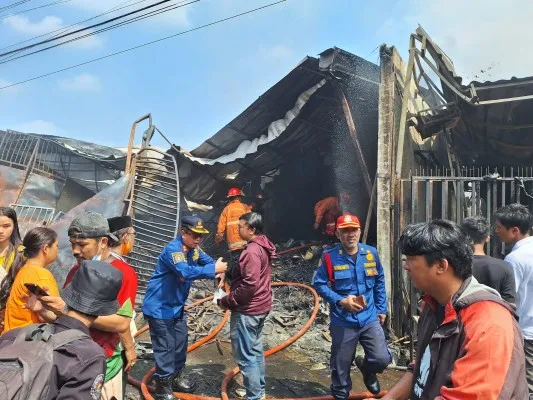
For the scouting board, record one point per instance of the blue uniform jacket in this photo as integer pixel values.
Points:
(361, 277)
(176, 268)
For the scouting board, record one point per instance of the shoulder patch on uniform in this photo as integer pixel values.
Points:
(96, 388)
(370, 256)
(178, 257)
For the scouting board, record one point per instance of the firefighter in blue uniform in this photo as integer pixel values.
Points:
(345, 274)
(181, 262)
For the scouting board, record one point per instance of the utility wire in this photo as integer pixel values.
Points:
(30, 46)
(34, 8)
(92, 33)
(145, 44)
(65, 28)
(13, 5)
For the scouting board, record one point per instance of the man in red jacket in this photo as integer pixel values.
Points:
(250, 301)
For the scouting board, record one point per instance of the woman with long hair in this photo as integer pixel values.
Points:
(9, 239)
(38, 250)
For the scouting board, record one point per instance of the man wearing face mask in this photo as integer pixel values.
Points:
(180, 262)
(351, 279)
(89, 237)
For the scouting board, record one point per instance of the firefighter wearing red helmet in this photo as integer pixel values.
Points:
(229, 224)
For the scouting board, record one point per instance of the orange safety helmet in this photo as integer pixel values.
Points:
(233, 192)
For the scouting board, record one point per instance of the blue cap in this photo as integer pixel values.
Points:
(193, 223)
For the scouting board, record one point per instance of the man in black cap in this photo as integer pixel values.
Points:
(181, 262)
(79, 366)
(89, 237)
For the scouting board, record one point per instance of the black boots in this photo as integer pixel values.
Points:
(182, 383)
(369, 378)
(163, 389)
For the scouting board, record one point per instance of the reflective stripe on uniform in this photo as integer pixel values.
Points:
(232, 223)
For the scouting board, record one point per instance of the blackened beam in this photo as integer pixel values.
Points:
(353, 133)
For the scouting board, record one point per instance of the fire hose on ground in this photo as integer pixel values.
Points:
(143, 384)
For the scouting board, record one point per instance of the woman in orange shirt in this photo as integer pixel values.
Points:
(39, 250)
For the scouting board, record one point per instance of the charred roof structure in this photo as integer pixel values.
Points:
(311, 135)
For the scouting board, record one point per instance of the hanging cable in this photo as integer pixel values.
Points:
(144, 44)
(65, 28)
(34, 8)
(122, 23)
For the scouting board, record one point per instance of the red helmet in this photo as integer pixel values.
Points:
(235, 192)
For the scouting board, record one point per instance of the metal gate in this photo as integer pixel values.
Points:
(154, 207)
(452, 195)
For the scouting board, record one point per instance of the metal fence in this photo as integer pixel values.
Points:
(453, 195)
(29, 217)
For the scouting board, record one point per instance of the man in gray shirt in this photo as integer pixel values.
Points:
(488, 270)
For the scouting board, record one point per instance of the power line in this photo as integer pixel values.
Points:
(34, 8)
(64, 29)
(117, 25)
(30, 46)
(13, 5)
(145, 44)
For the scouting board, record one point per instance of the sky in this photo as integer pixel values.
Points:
(195, 83)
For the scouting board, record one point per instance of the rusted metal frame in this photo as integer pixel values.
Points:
(132, 138)
(29, 168)
(353, 133)
(428, 80)
(371, 205)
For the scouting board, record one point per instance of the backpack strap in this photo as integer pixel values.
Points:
(34, 332)
(65, 337)
(329, 267)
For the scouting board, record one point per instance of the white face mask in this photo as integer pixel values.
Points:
(98, 256)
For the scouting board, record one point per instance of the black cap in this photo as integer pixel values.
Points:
(94, 289)
(194, 223)
(118, 223)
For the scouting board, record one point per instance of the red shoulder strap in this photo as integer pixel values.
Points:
(329, 267)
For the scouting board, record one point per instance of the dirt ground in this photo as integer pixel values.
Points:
(289, 373)
(298, 371)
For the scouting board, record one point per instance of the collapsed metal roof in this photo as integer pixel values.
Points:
(491, 121)
(298, 113)
(35, 169)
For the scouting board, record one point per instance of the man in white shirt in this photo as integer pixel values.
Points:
(513, 226)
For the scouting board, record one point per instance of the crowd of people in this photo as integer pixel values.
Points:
(475, 331)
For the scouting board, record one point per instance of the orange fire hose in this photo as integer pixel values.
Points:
(143, 385)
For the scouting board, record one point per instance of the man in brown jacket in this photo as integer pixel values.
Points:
(469, 343)
(250, 301)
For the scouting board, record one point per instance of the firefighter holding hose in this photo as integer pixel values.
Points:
(350, 278)
(181, 262)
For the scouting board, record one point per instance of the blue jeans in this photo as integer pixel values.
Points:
(344, 344)
(246, 333)
(169, 343)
